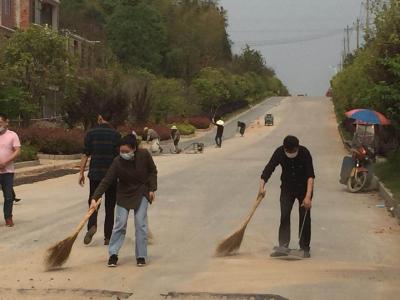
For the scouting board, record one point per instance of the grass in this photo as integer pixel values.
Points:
(388, 173)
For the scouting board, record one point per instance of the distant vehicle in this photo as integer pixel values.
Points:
(300, 95)
(269, 120)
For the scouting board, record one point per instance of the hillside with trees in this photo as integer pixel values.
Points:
(159, 59)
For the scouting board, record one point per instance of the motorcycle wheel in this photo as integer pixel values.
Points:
(358, 182)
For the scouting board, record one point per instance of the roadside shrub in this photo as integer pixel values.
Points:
(28, 153)
(53, 140)
(162, 130)
(186, 129)
(200, 122)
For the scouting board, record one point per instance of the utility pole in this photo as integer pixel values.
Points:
(348, 38)
(367, 6)
(358, 33)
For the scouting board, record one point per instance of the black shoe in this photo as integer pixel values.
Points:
(106, 242)
(89, 235)
(17, 200)
(112, 261)
(140, 261)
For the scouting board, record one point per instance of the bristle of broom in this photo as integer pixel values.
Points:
(150, 237)
(231, 244)
(58, 254)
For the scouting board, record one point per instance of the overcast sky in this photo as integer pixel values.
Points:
(301, 39)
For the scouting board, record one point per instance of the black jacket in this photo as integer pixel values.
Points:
(136, 179)
(295, 171)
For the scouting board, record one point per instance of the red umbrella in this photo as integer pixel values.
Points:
(368, 116)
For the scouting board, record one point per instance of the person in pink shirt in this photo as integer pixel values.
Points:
(10, 148)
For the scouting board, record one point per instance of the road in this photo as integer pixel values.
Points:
(230, 129)
(201, 199)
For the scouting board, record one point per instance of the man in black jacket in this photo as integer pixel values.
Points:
(101, 145)
(297, 183)
(220, 131)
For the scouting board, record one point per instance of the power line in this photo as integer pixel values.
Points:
(274, 42)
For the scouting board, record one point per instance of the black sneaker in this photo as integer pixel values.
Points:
(89, 235)
(140, 261)
(106, 242)
(112, 261)
(17, 200)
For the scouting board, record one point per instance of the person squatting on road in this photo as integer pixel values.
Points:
(101, 145)
(136, 174)
(297, 183)
(220, 132)
(175, 137)
(150, 135)
(241, 127)
(10, 148)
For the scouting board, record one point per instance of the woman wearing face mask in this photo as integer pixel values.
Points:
(136, 173)
(297, 183)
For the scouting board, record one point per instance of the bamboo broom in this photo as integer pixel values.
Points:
(232, 243)
(58, 254)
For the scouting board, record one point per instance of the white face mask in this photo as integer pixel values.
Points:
(128, 156)
(292, 155)
(3, 129)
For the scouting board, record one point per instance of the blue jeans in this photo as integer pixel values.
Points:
(6, 182)
(119, 231)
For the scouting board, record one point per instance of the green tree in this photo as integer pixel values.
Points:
(169, 98)
(137, 35)
(212, 88)
(103, 90)
(86, 17)
(197, 38)
(251, 60)
(37, 60)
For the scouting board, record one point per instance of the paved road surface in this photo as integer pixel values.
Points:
(201, 199)
(230, 128)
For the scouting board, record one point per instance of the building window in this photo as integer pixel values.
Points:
(7, 7)
(46, 14)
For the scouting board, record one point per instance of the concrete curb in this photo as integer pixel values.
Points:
(46, 168)
(59, 157)
(25, 164)
(391, 204)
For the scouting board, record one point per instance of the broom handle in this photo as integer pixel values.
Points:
(87, 216)
(258, 201)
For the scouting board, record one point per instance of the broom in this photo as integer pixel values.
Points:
(232, 243)
(58, 254)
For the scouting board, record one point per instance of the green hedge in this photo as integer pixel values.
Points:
(28, 153)
(186, 129)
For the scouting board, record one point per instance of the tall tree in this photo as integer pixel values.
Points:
(37, 60)
(137, 35)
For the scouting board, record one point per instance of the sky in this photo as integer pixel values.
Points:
(301, 39)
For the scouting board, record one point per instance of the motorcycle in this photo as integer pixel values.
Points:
(356, 170)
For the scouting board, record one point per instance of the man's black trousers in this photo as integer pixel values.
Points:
(287, 200)
(218, 140)
(110, 201)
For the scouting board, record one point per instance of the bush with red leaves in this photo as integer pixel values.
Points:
(200, 122)
(162, 130)
(53, 140)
